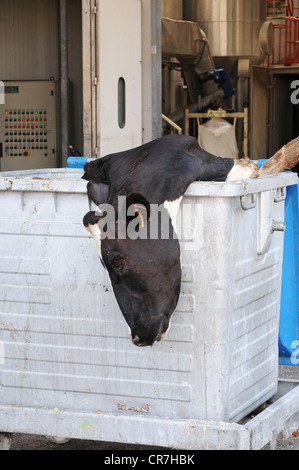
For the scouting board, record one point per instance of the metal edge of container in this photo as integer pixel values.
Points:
(63, 180)
(242, 187)
(188, 434)
(35, 180)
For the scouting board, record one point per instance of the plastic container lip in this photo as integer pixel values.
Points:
(69, 180)
(62, 180)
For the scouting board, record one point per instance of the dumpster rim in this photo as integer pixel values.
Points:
(32, 180)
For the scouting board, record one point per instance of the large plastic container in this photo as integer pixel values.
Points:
(65, 345)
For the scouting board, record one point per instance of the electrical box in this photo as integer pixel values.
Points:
(28, 125)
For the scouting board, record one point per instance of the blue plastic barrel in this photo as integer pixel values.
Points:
(76, 162)
(289, 316)
(289, 310)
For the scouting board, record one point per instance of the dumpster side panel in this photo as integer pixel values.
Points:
(66, 343)
(210, 255)
(237, 305)
(255, 305)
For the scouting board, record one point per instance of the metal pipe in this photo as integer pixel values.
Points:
(64, 81)
(172, 124)
(156, 69)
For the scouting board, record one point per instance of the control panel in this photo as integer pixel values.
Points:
(28, 125)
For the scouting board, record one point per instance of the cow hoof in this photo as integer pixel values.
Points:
(91, 218)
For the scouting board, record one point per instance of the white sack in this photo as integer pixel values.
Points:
(218, 137)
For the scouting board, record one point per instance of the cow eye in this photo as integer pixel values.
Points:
(119, 264)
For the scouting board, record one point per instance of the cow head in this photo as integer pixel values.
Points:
(146, 277)
(143, 266)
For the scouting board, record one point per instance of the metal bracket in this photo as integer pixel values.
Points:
(281, 195)
(266, 225)
(246, 206)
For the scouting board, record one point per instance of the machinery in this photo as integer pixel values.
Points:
(200, 37)
(185, 48)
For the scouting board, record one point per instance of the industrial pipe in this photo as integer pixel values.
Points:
(64, 81)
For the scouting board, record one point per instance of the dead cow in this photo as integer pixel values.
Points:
(145, 271)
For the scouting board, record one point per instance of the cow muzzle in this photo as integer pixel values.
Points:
(141, 342)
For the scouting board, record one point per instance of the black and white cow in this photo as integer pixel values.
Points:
(145, 272)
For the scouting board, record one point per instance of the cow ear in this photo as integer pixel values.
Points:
(98, 192)
(139, 202)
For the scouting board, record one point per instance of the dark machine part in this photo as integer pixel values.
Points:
(185, 47)
(221, 78)
(222, 91)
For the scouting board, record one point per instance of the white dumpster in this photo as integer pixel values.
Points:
(67, 365)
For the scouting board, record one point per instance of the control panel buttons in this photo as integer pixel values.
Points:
(25, 131)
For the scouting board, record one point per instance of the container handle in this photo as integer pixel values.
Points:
(247, 206)
(281, 195)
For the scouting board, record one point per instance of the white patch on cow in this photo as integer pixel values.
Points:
(164, 334)
(96, 233)
(130, 331)
(172, 208)
(242, 169)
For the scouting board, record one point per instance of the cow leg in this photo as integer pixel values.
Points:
(285, 159)
(243, 169)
